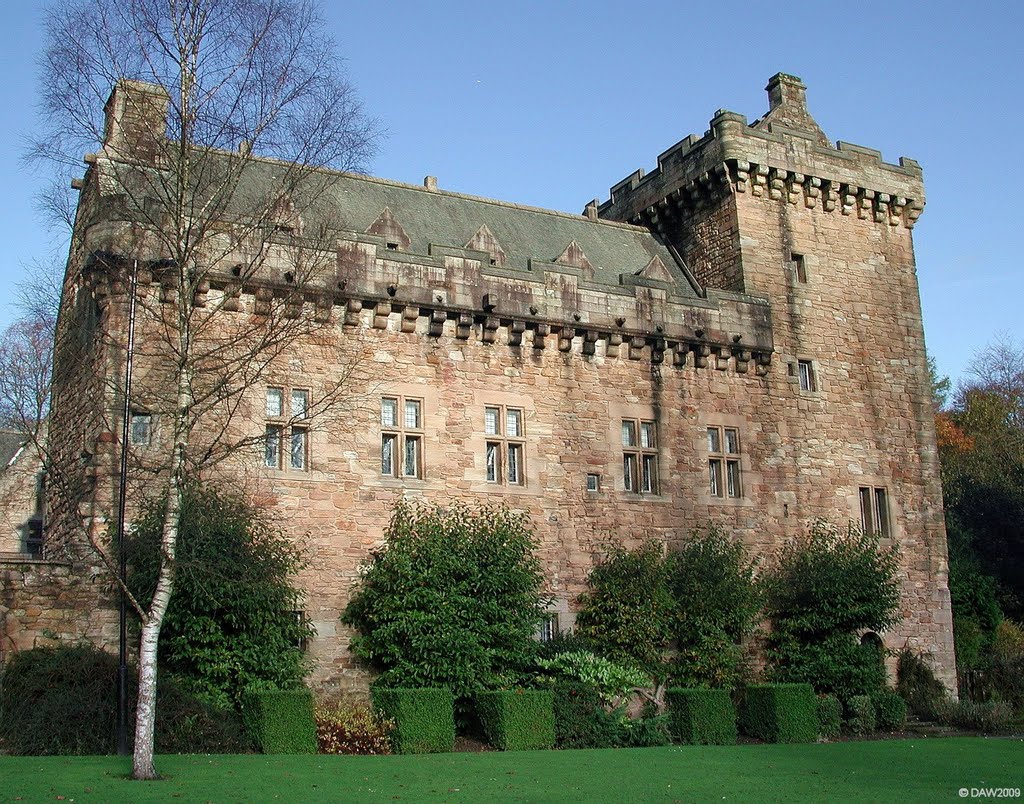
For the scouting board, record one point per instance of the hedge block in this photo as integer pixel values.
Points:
(517, 720)
(830, 716)
(890, 710)
(780, 713)
(424, 718)
(702, 716)
(280, 721)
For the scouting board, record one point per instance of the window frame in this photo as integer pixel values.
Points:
(139, 416)
(282, 424)
(640, 471)
(500, 447)
(875, 513)
(725, 465)
(806, 376)
(402, 436)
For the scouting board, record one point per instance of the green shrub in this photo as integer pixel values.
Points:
(988, 716)
(517, 720)
(343, 728)
(917, 685)
(860, 714)
(280, 721)
(780, 713)
(830, 716)
(76, 687)
(702, 716)
(825, 588)
(890, 710)
(1005, 674)
(711, 580)
(424, 718)
(453, 600)
(648, 731)
(628, 610)
(611, 680)
(580, 718)
(230, 626)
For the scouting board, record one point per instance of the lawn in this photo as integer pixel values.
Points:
(908, 770)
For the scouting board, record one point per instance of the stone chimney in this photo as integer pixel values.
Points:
(135, 128)
(787, 107)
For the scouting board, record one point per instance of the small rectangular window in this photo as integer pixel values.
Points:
(401, 438)
(593, 482)
(140, 430)
(639, 456)
(275, 403)
(724, 478)
(874, 511)
(300, 404)
(505, 455)
(272, 446)
(548, 628)
(799, 267)
(806, 370)
(298, 452)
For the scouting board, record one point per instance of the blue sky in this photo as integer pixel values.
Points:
(550, 103)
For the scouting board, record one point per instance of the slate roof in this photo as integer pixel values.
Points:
(524, 233)
(10, 442)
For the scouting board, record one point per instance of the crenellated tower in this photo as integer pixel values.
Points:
(823, 231)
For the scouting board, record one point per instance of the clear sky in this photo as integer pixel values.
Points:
(551, 103)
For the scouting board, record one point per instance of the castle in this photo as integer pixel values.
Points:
(733, 337)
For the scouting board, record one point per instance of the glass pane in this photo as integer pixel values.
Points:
(140, 428)
(628, 434)
(647, 435)
(629, 472)
(491, 418)
(593, 482)
(298, 449)
(387, 455)
(300, 404)
(806, 378)
(514, 423)
(515, 464)
(492, 463)
(882, 512)
(272, 447)
(714, 440)
(732, 471)
(275, 402)
(650, 475)
(412, 414)
(715, 477)
(732, 442)
(411, 465)
(867, 523)
(389, 413)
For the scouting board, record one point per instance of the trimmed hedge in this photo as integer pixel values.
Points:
(75, 686)
(890, 710)
(861, 714)
(424, 718)
(580, 719)
(830, 716)
(702, 716)
(780, 713)
(517, 720)
(280, 721)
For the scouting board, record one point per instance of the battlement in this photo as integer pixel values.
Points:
(784, 155)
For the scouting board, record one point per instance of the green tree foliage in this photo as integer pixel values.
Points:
(628, 612)
(452, 600)
(824, 589)
(231, 626)
(717, 602)
(981, 445)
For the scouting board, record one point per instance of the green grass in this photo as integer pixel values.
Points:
(907, 770)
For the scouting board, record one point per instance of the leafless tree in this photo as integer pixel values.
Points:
(212, 166)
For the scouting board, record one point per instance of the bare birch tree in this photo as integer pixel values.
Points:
(209, 184)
